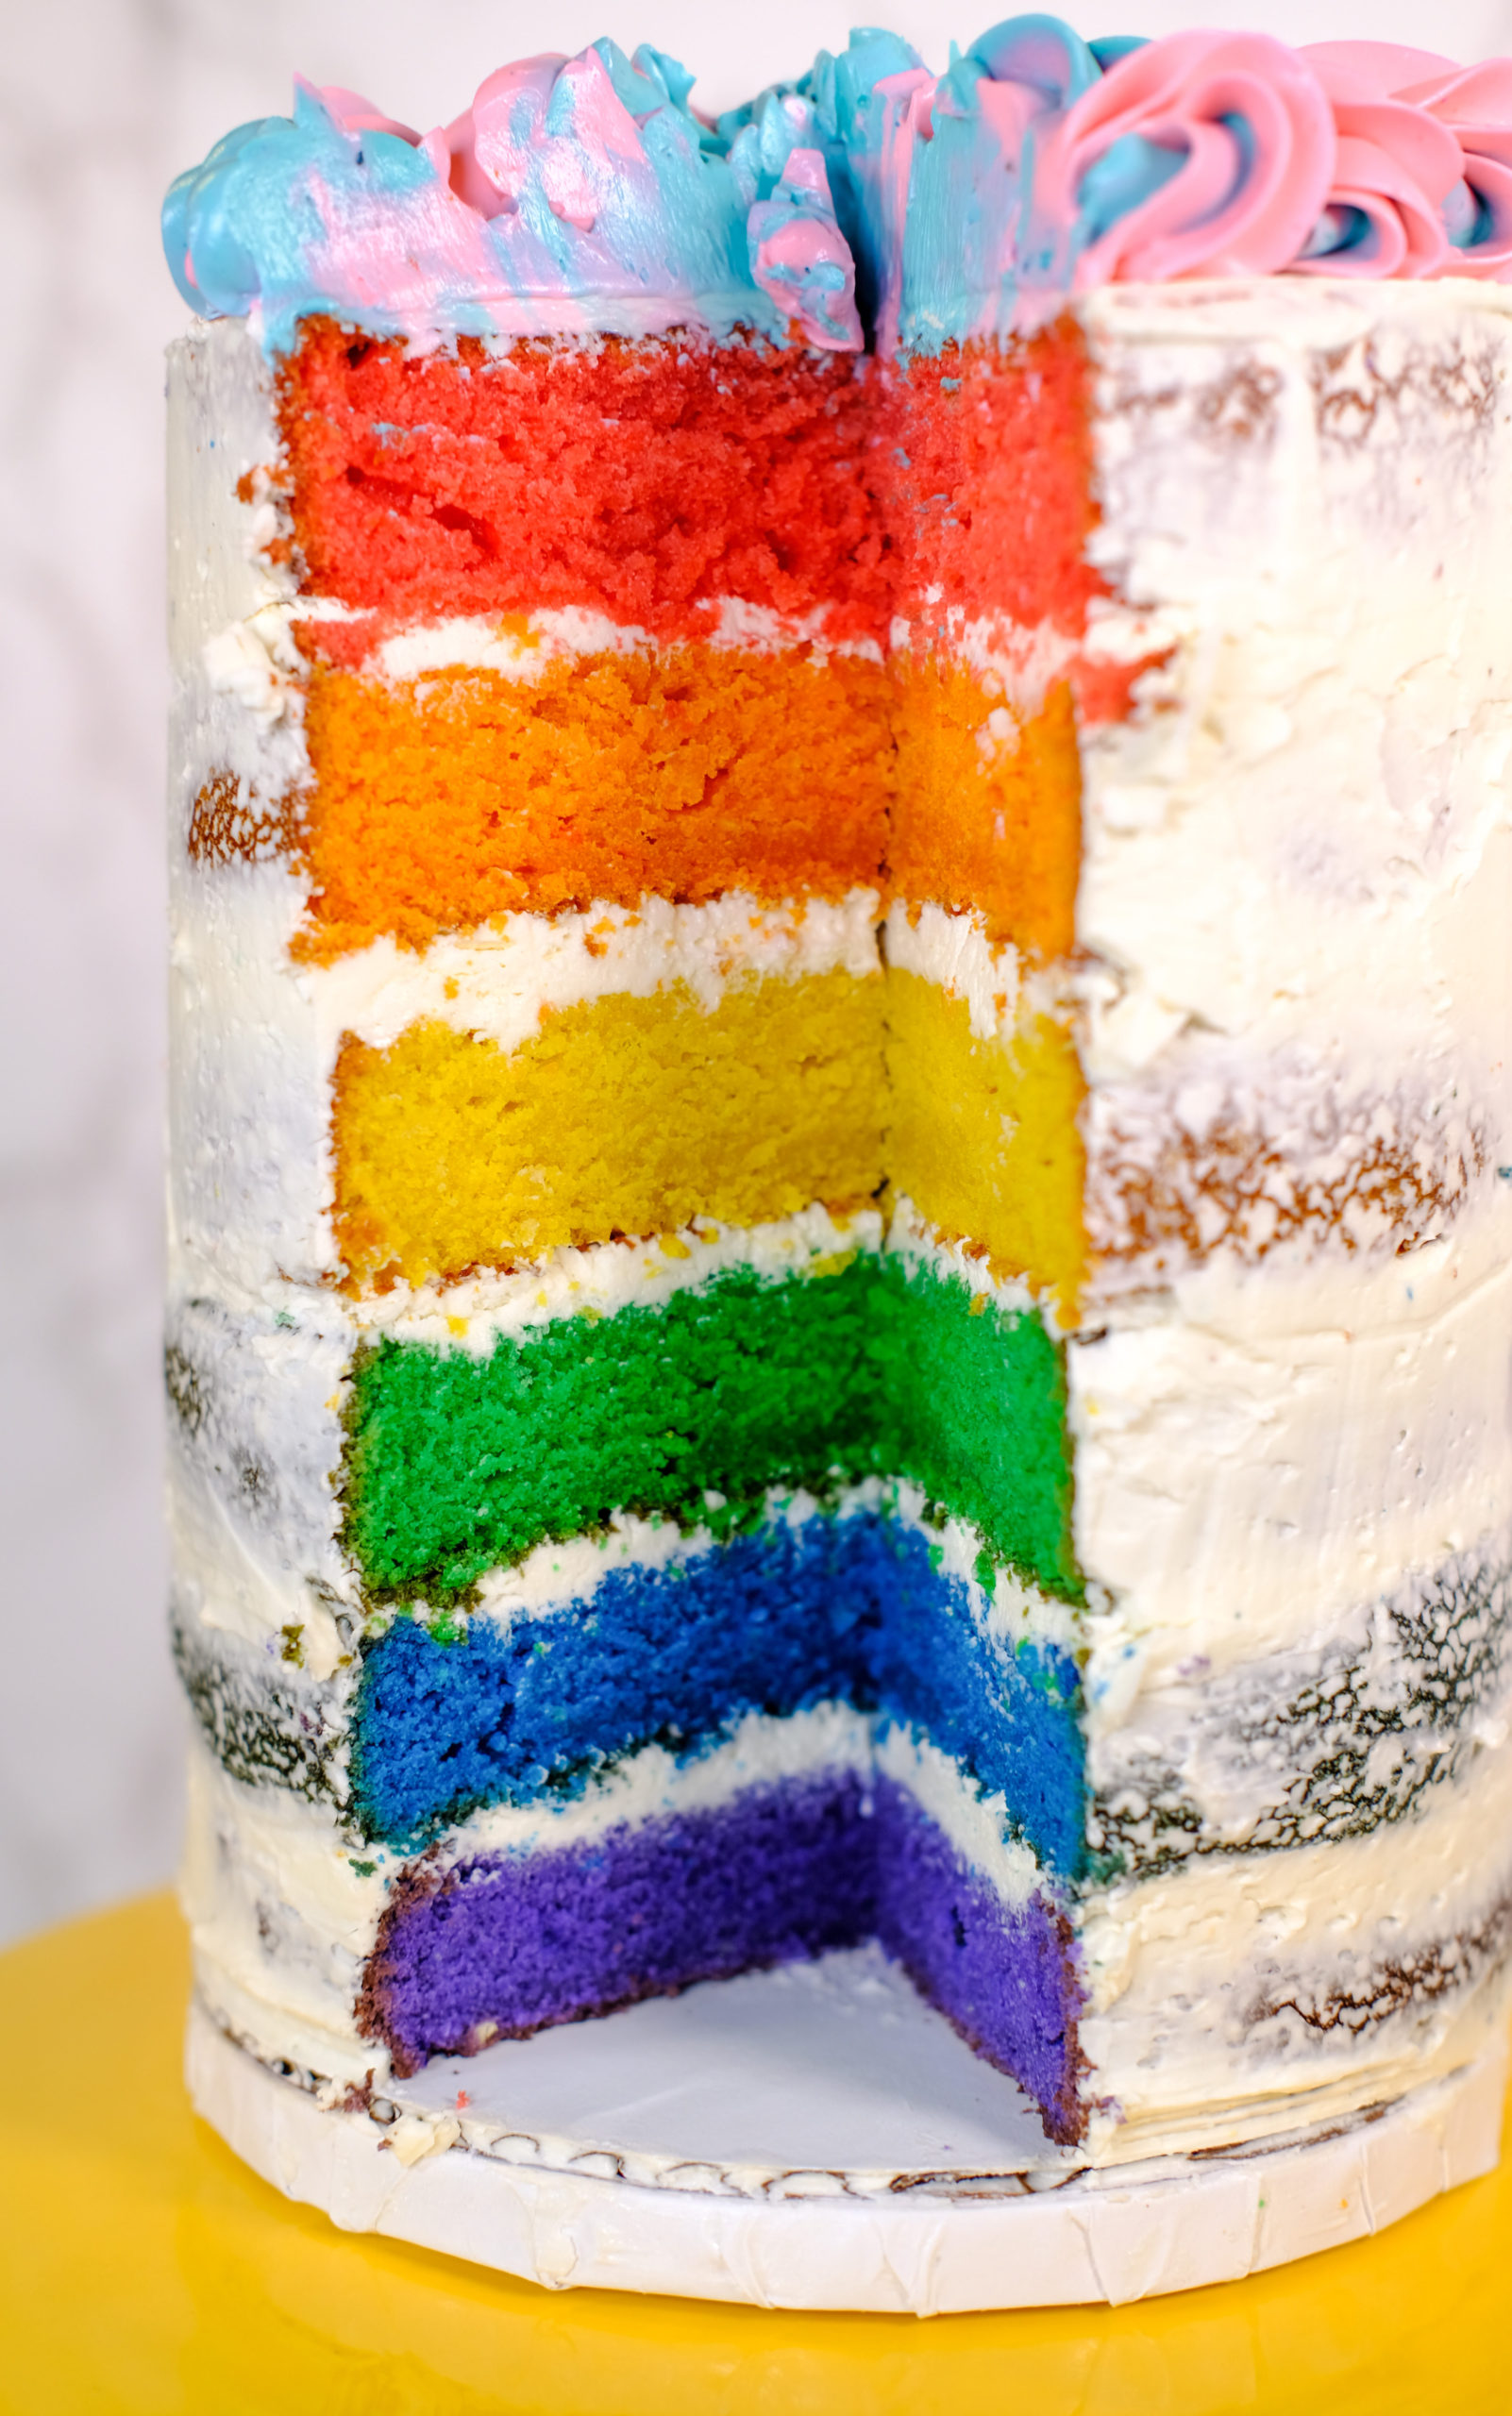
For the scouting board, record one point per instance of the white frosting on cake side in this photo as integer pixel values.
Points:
(1246, 1994)
(1296, 852)
(1229, 1493)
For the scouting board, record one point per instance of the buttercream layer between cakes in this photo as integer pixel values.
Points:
(569, 1656)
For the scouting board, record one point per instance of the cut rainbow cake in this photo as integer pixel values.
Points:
(840, 1194)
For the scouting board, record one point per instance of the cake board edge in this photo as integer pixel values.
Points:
(1100, 2237)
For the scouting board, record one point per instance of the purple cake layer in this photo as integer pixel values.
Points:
(509, 1944)
(1006, 1979)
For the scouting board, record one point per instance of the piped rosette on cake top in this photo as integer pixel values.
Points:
(773, 1112)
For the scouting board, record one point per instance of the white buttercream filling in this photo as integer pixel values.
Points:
(913, 1238)
(500, 984)
(953, 953)
(521, 646)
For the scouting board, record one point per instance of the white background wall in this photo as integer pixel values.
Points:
(101, 102)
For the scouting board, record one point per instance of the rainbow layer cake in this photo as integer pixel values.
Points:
(840, 1206)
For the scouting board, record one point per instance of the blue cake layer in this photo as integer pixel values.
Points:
(853, 1609)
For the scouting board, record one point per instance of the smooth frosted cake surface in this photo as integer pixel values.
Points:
(841, 1114)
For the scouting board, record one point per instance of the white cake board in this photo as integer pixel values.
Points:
(812, 2138)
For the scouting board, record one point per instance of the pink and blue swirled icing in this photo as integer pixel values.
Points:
(870, 200)
(575, 195)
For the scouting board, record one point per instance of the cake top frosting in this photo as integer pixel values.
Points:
(869, 200)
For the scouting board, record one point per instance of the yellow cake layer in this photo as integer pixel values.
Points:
(983, 1134)
(624, 1115)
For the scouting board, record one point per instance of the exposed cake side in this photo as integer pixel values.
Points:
(747, 1319)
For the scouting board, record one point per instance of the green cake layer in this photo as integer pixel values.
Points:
(457, 1464)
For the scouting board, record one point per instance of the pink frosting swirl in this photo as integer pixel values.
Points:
(1396, 170)
(1474, 103)
(1254, 135)
(488, 152)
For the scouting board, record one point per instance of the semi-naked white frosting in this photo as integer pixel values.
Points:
(1298, 853)
(1231, 1495)
(1289, 1402)
(1309, 1981)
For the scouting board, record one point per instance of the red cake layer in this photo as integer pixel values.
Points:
(641, 480)
(989, 485)
(648, 481)
(991, 504)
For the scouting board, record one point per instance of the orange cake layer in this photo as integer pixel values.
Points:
(439, 802)
(987, 811)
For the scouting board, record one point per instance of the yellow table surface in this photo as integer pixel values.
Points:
(142, 2268)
